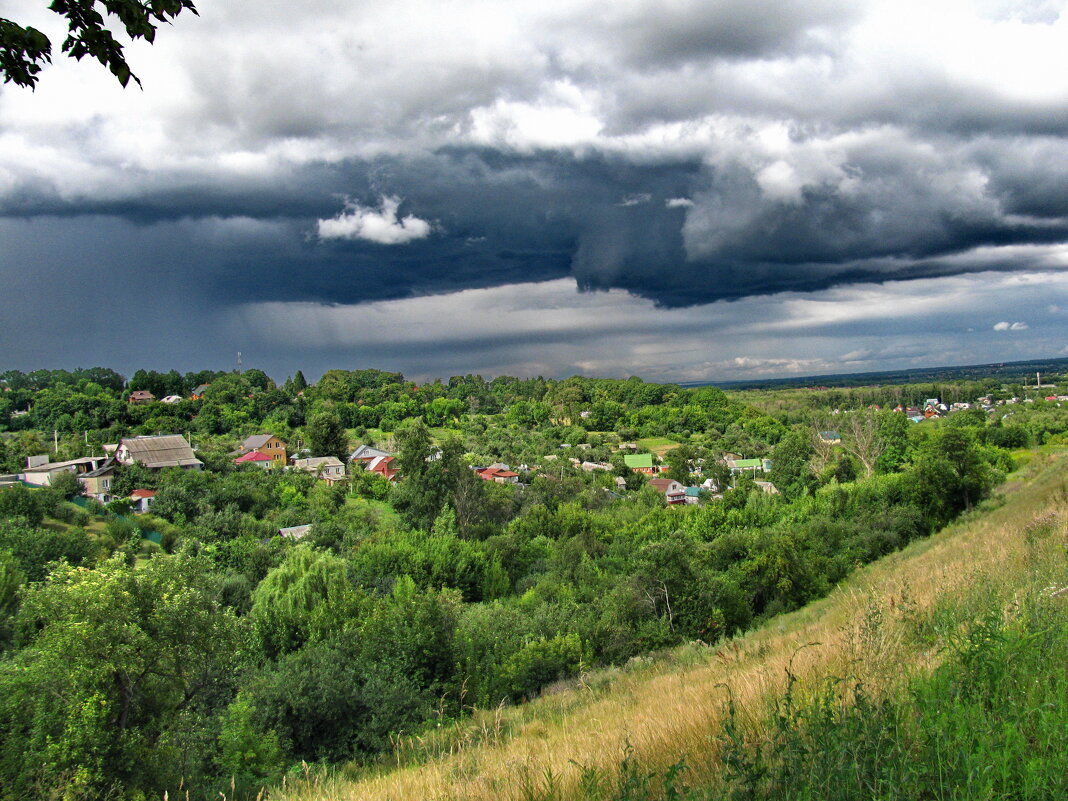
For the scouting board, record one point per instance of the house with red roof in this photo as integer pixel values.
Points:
(261, 460)
(673, 491)
(141, 500)
(267, 444)
(500, 474)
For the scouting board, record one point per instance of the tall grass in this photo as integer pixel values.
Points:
(871, 689)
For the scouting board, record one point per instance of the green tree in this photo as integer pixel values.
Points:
(894, 437)
(678, 461)
(790, 471)
(11, 579)
(18, 501)
(98, 702)
(249, 756)
(24, 50)
(307, 597)
(326, 436)
(67, 485)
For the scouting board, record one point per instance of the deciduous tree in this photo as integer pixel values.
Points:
(24, 50)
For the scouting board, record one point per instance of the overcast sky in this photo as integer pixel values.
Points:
(681, 190)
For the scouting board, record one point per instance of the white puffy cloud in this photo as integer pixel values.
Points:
(1007, 326)
(383, 225)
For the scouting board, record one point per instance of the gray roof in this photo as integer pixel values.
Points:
(169, 450)
(255, 441)
(367, 452)
(103, 470)
(318, 461)
(295, 532)
(50, 467)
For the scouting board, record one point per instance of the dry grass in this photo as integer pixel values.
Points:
(673, 708)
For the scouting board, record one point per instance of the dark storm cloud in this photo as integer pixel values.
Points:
(668, 35)
(881, 212)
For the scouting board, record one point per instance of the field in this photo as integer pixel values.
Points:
(890, 624)
(657, 445)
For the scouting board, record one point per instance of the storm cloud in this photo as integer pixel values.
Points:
(680, 154)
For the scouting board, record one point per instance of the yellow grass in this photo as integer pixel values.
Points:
(665, 710)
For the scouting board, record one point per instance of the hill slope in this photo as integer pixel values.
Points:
(889, 623)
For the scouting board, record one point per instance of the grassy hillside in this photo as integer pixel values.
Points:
(733, 719)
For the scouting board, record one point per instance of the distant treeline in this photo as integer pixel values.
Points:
(1004, 372)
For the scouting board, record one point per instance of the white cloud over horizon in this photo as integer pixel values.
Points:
(531, 329)
(383, 226)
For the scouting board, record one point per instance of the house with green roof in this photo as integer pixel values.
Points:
(640, 462)
(745, 465)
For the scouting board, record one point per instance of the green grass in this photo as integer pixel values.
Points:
(387, 514)
(439, 435)
(657, 445)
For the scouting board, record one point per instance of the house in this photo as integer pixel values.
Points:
(366, 453)
(141, 396)
(383, 465)
(97, 483)
(198, 393)
(295, 532)
(499, 474)
(589, 467)
(831, 437)
(261, 460)
(268, 445)
(693, 494)
(327, 468)
(737, 466)
(141, 500)
(159, 452)
(640, 463)
(39, 471)
(673, 491)
(767, 487)
(171, 399)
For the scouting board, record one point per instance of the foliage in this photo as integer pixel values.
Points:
(405, 605)
(326, 436)
(111, 660)
(23, 50)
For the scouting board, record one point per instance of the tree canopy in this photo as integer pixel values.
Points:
(24, 50)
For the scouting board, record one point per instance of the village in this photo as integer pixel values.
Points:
(270, 453)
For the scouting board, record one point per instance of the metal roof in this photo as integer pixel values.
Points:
(168, 450)
(256, 441)
(638, 460)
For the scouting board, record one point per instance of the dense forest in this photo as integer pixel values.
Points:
(195, 649)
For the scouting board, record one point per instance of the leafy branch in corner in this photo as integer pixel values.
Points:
(25, 50)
